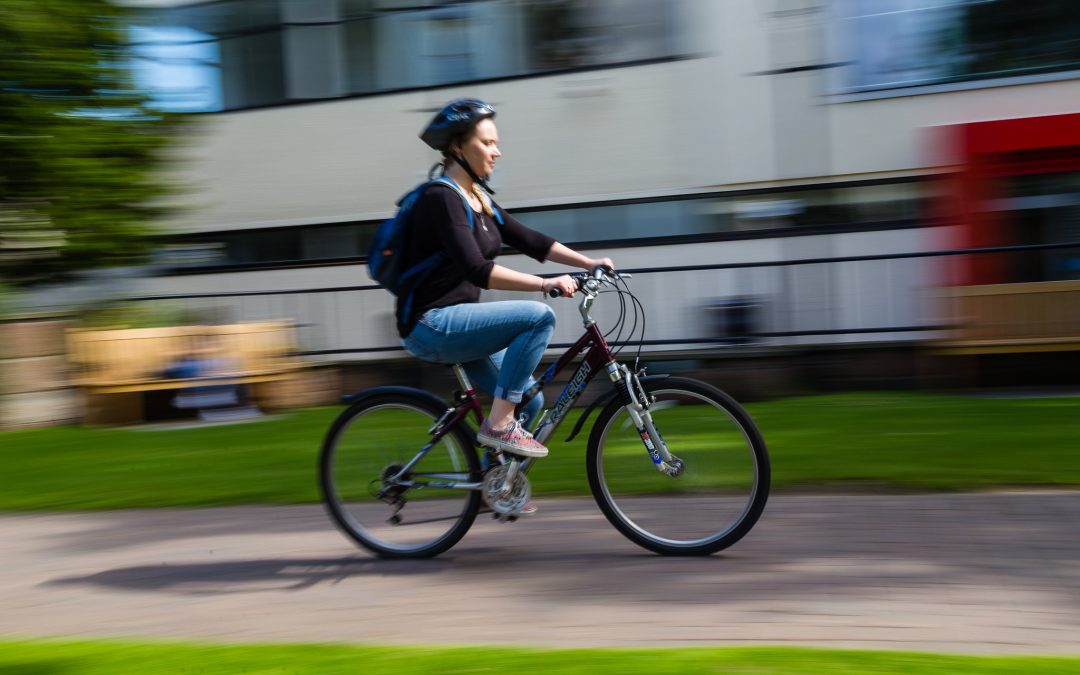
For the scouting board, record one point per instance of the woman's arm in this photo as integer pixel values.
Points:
(568, 256)
(506, 279)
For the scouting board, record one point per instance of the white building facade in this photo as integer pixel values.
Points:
(744, 138)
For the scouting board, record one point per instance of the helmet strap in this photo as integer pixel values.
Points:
(472, 174)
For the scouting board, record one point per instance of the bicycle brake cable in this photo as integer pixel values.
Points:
(620, 322)
(639, 312)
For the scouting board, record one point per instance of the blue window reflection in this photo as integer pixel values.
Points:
(179, 67)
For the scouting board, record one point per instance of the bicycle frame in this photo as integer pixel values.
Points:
(466, 400)
(598, 357)
(365, 465)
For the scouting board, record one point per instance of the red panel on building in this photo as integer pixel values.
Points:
(988, 153)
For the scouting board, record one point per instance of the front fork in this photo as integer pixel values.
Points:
(637, 402)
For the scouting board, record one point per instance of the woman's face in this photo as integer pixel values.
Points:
(481, 148)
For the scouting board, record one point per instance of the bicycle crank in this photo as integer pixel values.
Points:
(506, 489)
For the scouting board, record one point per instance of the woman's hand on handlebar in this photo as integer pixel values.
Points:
(566, 285)
(606, 263)
(560, 286)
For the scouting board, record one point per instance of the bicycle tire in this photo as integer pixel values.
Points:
(374, 437)
(724, 486)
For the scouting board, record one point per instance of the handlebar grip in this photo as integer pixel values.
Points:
(581, 278)
(558, 292)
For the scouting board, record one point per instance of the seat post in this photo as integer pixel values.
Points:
(462, 378)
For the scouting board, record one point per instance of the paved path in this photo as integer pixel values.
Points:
(966, 573)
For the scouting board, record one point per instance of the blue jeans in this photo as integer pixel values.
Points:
(498, 343)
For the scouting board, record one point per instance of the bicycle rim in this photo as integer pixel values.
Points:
(721, 491)
(372, 442)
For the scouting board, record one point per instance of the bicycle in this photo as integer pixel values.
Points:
(694, 490)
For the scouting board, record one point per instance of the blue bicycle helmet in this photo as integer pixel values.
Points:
(456, 118)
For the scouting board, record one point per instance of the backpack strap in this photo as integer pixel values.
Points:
(421, 269)
(488, 204)
(449, 182)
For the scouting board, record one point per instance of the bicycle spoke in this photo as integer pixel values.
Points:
(710, 503)
(415, 516)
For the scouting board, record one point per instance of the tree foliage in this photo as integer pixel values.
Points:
(79, 145)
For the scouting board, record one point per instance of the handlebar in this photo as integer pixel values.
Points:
(581, 278)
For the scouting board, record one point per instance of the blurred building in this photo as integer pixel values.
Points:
(784, 148)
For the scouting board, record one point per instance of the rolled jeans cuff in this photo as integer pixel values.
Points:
(514, 396)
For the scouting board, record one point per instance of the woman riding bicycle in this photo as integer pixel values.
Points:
(498, 343)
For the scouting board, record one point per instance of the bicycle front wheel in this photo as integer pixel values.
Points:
(723, 486)
(393, 511)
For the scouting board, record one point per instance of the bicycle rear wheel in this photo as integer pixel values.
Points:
(417, 516)
(721, 491)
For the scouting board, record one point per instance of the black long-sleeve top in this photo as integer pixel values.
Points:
(439, 223)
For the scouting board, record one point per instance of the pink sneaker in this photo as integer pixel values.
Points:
(512, 438)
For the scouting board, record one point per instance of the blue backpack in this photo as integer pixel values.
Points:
(386, 263)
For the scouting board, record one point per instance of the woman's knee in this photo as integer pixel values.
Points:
(543, 314)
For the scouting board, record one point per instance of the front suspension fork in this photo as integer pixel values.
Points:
(637, 402)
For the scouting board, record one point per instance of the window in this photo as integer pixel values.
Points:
(572, 33)
(179, 66)
(237, 54)
(761, 213)
(816, 207)
(257, 248)
(1041, 209)
(205, 58)
(890, 44)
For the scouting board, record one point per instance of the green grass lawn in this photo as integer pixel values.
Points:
(121, 658)
(890, 441)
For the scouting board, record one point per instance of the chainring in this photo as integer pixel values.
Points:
(511, 502)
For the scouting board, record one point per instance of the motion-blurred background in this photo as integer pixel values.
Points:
(813, 195)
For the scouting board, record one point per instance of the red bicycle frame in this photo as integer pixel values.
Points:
(598, 357)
